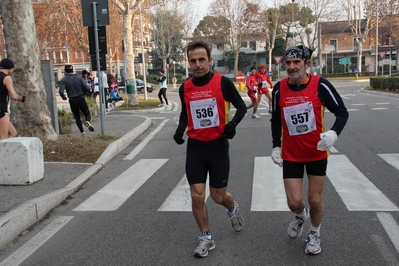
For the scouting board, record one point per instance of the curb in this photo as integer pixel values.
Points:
(23, 216)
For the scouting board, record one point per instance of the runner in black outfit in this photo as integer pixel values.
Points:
(74, 87)
(7, 130)
(205, 113)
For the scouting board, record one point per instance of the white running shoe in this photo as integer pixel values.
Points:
(237, 222)
(204, 246)
(313, 244)
(254, 116)
(296, 226)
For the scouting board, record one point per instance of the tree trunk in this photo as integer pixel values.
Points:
(32, 118)
(132, 98)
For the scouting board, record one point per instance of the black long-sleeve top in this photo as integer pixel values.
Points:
(328, 95)
(75, 86)
(230, 94)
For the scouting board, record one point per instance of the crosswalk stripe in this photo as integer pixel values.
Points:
(268, 192)
(355, 190)
(391, 227)
(113, 195)
(391, 158)
(180, 199)
(145, 141)
(36, 242)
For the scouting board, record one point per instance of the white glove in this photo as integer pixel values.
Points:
(327, 140)
(276, 156)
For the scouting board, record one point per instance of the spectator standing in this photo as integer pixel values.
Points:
(300, 140)
(7, 91)
(205, 114)
(162, 88)
(76, 89)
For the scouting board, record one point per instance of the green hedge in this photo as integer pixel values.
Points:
(384, 83)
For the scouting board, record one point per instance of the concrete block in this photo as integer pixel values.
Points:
(21, 161)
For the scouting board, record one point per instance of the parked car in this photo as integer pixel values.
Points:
(393, 75)
(139, 86)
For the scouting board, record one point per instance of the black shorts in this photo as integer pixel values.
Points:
(297, 169)
(204, 157)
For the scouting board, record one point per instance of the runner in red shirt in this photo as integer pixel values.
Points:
(263, 78)
(252, 85)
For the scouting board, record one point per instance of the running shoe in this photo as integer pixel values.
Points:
(89, 126)
(313, 244)
(270, 110)
(204, 246)
(237, 222)
(83, 134)
(296, 226)
(254, 116)
(160, 105)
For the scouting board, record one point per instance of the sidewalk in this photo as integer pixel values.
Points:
(23, 206)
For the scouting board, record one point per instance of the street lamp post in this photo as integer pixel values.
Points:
(174, 79)
(376, 40)
(292, 18)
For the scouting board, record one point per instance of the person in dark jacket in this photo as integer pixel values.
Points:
(76, 89)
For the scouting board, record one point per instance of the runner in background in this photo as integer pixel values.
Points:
(251, 91)
(263, 78)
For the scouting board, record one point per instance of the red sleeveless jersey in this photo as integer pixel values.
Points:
(302, 116)
(206, 109)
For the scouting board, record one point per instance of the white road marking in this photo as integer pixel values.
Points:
(268, 192)
(358, 104)
(180, 199)
(113, 195)
(144, 142)
(355, 190)
(391, 158)
(391, 227)
(378, 108)
(36, 242)
(382, 103)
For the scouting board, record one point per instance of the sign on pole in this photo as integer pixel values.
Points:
(382, 54)
(277, 59)
(102, 12)
(102, 40)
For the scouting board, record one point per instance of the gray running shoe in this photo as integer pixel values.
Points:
(296, 226)
(236, 219)
(204, 246)
(89, 126)
(313, 244)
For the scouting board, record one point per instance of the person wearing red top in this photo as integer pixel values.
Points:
(252, 85)
(262, 78)
(301, 142)
(205, 108)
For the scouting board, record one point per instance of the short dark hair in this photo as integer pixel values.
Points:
(199, 44)
(162, 71)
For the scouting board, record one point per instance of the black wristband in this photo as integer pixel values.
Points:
(23, 99)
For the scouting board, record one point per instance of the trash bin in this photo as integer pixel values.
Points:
(130, 88)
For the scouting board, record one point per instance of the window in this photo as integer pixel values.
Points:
(334, 44)
(220, 63)
(78, 54)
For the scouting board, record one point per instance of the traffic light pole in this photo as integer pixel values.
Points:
(100, 85)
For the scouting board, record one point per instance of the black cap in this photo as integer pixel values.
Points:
(6, 64)
(68, 69)
(85, 72)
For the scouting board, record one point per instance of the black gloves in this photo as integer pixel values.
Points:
(230, 130)
(178, 136)
(254, 91)
(23, 99)
(155, 78)
(63, 97)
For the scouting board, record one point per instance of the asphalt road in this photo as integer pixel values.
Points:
(143, 229)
